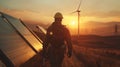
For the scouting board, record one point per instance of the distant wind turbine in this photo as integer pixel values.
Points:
(78, 12)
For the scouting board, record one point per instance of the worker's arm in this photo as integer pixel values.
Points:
(69, 42)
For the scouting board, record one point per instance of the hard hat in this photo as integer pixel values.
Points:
(58, 15)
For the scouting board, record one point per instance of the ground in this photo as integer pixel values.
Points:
(88, 51)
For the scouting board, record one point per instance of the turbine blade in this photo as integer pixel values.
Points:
(73, 12)
(79, 4)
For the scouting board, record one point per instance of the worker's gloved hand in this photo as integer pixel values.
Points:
(69, 54)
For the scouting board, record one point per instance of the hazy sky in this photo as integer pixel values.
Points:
(44, 10)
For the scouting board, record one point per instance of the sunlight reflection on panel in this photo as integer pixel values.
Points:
(25, 32)
(11, 43)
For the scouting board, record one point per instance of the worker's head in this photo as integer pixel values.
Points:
(58, 17)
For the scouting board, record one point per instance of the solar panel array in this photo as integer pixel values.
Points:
(16, 41)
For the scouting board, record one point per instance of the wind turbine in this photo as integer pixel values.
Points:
(78, 12)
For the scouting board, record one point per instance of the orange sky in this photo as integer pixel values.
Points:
(43, 10)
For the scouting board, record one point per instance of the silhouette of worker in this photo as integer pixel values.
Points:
(57, 38)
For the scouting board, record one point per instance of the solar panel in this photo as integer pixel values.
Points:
(25, 32)
(15, 40)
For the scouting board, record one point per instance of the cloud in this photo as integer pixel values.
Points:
(103, 14)
(26, 15)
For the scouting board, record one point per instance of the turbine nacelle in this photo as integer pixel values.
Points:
(78, 11)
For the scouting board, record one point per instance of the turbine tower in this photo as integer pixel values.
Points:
(78, 12)
(116, 29)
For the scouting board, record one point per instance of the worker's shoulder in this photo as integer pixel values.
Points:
(50, 27)
(65, 28)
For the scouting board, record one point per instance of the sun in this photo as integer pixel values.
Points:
(72, 24)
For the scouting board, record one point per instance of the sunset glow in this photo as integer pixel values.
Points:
(59, 33)
(43, 11)
(73, 24)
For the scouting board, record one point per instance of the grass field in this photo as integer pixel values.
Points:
(97, 51)
(88, 51)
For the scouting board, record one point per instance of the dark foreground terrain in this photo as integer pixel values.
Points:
(89, 51)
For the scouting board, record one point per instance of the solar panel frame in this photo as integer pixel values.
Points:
(10, 35)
